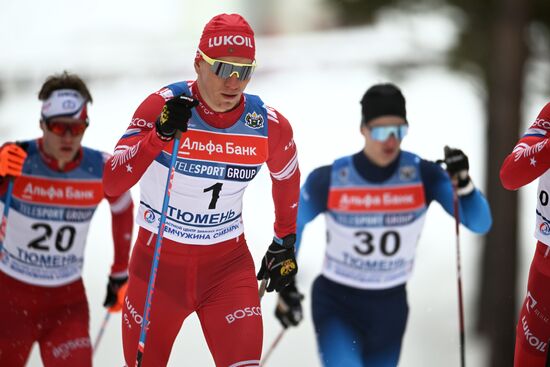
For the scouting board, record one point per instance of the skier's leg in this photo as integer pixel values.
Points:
(18, 330)
(230, 308)
(384, 333)
(168, 309)
(370, 324)
(533, 328)
(339, 342)
(66, 343)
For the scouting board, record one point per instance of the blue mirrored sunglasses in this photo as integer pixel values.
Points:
(382, 133)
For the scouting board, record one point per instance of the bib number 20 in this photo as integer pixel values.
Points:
(64, 237)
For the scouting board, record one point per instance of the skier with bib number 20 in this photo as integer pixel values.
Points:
(56, 190)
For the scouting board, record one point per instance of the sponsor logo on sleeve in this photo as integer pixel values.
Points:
(141, 123)
(541, 123)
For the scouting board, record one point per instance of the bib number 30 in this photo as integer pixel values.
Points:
(388, 243)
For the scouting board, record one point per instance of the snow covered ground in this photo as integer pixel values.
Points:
(316, 80)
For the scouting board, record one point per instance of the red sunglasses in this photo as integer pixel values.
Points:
(61, 128)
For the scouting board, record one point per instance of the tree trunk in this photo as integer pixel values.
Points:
(497, 309)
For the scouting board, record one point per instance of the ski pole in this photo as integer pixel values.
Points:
(261, 290)
(4, 224)
(458, 268)
(156, 256)
(121, 294)
(459, 279)
(263, 284)
(101, 331)
(272, 347)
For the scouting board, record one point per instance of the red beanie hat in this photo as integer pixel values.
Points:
(228, 35)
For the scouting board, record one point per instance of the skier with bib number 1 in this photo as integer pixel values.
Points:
(202, 263)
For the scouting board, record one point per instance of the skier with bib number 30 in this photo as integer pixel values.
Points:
(375, 204)
(205, 265)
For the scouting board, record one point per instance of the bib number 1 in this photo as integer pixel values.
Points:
(216, 189)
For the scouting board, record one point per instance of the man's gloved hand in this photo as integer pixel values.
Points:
(457, 167)
(116, 290)
(174, 116)
(289, 306)
(279, 263)
(12, 157)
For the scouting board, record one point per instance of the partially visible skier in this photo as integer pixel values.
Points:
(57, 188)
(529, 160)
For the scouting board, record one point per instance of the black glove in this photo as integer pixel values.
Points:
(457, 167)
(289, 306)
(279, 263)
(113, 287)
(175, 115)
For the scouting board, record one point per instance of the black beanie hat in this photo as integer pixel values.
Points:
(382, 100)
